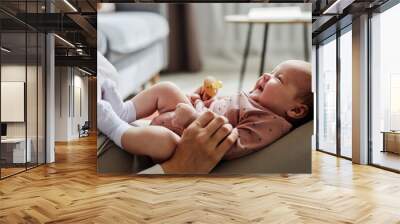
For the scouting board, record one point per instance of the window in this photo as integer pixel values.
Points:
(385, 89)
(346, 93)
(327, 96)
(22, 78)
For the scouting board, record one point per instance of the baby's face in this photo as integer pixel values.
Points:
(279, 90)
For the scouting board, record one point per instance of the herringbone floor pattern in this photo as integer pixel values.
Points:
(70, 191)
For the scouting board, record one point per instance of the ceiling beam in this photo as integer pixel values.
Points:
(337, 7)
(77, 61)
(84, 24)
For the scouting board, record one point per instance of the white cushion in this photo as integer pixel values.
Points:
(106, 7)
(101, 42)
(132, 31)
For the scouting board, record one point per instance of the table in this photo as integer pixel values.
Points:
(13, 150)
(305, 19)
(391, 141)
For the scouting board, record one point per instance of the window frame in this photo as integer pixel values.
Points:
(333, 37)
(27, 29)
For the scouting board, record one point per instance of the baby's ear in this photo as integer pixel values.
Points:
(298, 111)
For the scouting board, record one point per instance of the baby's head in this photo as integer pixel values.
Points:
(287, 91)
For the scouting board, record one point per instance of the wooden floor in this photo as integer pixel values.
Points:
(10, 171)
(70, 191)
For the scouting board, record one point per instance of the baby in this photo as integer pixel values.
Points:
(279, 101)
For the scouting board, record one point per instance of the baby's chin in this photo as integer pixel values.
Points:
(254, 95)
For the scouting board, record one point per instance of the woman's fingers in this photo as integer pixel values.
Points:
(214, 125)
(220, 134)
(203, 120)
(228, 142)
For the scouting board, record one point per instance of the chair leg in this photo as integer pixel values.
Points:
(245, 55)
(306, 43)
(264, 48)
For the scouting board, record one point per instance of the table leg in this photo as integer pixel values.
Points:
(384, 142)
(264, 48)
(245, 55)
(306, 43)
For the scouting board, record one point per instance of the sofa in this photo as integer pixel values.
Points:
(133, 37)
(289, 154)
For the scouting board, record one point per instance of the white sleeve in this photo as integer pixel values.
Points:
(156, 169)
(105, 70)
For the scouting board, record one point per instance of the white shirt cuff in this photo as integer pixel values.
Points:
(156, 169)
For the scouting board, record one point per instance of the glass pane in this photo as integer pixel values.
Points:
(327, 97)
(385, 86)
(345, 94)
(31, 98)
(41, 99)
(13, 87)
(314, 73)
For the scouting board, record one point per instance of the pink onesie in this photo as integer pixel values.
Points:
(257, 126)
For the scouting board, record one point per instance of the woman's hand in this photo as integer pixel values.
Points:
(202, 145)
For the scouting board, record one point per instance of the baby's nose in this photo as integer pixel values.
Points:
(266, 77)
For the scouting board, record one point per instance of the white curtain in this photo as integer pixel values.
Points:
(221, 39)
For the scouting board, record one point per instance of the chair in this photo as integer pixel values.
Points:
(134, 39)
(84, 130)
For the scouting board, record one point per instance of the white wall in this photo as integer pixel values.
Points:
(69, 85)
(17, 73)
(219, 38)
(61, 106)
(79, 117)
(14, 73)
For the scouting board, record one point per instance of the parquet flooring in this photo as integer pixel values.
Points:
(70, 191)
(11, 170)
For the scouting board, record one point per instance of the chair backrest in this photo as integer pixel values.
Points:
(147, 7)
(86, 125)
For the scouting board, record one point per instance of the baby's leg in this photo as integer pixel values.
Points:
(157, 142)
(136, 140)
(162, 97)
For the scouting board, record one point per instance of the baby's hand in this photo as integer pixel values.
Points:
(210, 87)
(202, 94)
(207, 103)
(193, 97)
(199, 94)
(184, 115)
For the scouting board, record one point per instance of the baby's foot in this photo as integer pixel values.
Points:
(165, 120)
(184, 115)
(125, 110)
